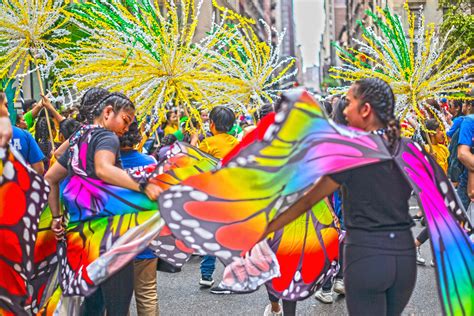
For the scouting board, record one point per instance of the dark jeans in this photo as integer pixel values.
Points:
(462, 193)
(113, 296)
(289, 307)
(208, 265)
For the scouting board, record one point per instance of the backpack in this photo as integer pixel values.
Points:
(455, 167)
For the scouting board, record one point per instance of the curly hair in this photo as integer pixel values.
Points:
(132, 137)
(380, 96)
(68, 126)
(42, 135)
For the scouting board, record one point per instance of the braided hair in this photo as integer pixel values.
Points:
(42, 135)
(88, 101)
(117, 100)
(380, 96)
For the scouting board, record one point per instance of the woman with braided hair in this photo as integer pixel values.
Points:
(94, 153)
(379, 250)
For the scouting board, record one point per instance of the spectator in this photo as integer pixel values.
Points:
(24, 143)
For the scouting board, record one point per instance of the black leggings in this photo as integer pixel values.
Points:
(423, 236)
(289, 307)
(378, 284)
(113, 296)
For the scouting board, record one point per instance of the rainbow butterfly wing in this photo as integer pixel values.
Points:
(23, 194)
(116, 225)
(181, 162)
(453, 250)
(224, 213)
(45, 260)
(307, 250)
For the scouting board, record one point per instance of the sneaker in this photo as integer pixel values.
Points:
(268, 311)
(206, 281)
(324, 297)
(419, 259)
(339, 286)
(432, 263)
(220, 290)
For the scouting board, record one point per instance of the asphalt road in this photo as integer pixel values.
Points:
(180, 294)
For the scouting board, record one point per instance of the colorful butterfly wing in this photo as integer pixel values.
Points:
(224, 213)
(182, 161)
(23, 194)
(45, 260)
(116, 224)
(248, 273)
(453, 250)
(307, 250)
(170, 249)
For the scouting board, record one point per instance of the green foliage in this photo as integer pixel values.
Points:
(6, 85)
(459, 19)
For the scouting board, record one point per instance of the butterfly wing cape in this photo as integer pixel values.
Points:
(108, 225)
(180, 161)
(23, 194)
(453, 250)
(224, 213)
(298, 258)
(307, 250)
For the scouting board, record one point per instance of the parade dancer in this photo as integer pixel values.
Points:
(111, 115)
(380, 260)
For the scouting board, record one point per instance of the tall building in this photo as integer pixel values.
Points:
(286, 22)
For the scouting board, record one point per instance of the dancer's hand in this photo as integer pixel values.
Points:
(153, 191)
(57, 227)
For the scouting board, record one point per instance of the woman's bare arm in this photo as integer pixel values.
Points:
(322, 188)
(105, 169)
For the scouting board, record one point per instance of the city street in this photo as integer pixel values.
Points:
(180, 294)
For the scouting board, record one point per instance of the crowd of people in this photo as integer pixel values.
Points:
(369, 201)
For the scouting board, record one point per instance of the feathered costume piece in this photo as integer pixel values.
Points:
(154, 58)
(418, 66)
(33, 35)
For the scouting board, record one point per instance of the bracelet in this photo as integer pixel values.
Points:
(57, 216)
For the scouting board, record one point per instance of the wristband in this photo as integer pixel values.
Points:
(57, 217)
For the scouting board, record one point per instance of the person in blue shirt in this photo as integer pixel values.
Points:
(24, 143)
(466, 134)
(457, 119)
(27, 146)
(146, 295)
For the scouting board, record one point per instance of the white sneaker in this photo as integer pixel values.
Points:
(324, 297)
(207, 282)
(419, 259)
(432, 263)
(268, 311)
(339, 286)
